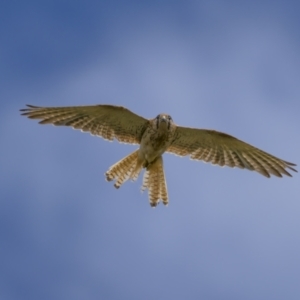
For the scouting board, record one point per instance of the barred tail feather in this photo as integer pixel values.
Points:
(154, 180)
(127, 168)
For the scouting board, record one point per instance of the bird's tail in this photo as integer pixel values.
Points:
(154, 177)
(127, 168)
(154, 180)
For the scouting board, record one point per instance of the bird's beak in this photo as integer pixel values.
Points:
(164, 119)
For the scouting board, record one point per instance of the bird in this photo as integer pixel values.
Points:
(155, 137)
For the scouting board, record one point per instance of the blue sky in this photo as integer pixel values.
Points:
(66, 233)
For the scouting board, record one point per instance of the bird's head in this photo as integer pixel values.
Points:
(163, 121)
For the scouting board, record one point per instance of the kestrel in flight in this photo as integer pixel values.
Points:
(156, 136)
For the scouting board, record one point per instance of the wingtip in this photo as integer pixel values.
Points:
(26, 110)
(290, 166)
(293, 169)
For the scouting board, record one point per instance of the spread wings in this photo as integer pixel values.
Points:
(225, 150)
(107, 121)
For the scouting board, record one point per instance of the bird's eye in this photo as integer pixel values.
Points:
(170, 118)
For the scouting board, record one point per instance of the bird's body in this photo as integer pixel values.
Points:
(156, 136)
(156, 139)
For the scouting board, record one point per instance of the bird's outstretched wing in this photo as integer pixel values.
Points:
(108, 121)
(225, 150)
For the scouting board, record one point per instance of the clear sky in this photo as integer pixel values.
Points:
(66, 233)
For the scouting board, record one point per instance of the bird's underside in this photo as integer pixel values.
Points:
(154, 137)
